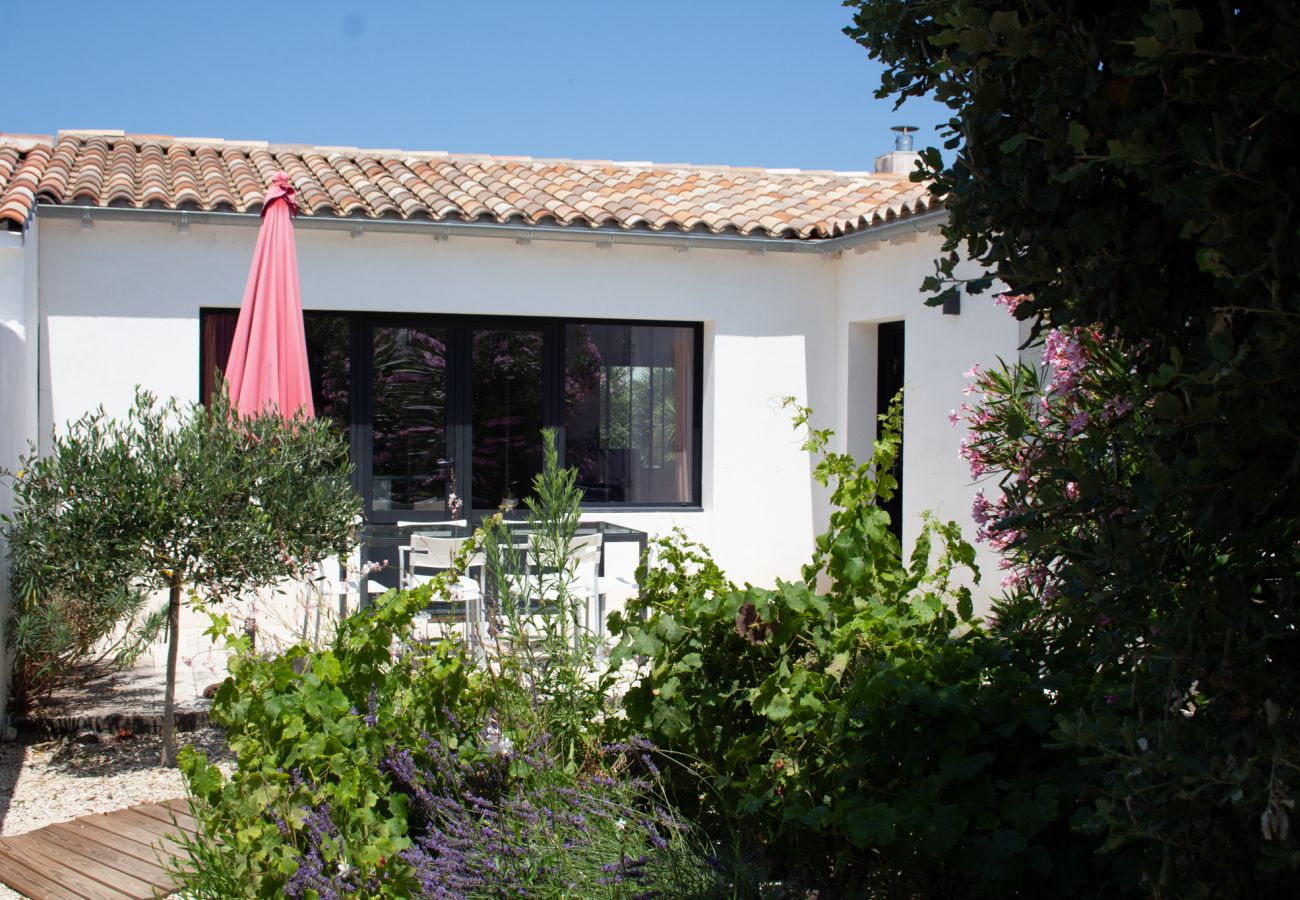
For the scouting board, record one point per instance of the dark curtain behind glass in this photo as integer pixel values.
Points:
(218, 336)
(328, 359)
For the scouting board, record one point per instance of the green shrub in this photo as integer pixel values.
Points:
(1131, 167)
(544, 659)
(383, 767)
(871, 737)
(1191, 753)
(309, 730)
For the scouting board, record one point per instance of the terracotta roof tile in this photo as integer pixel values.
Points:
(115, 169)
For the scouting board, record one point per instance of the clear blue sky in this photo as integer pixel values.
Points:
(740, 82)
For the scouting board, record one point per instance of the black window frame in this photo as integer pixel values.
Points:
(460, 327)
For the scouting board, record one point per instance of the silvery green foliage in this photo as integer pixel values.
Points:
(168, 495)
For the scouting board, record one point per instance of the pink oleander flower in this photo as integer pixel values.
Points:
(971, 452)
(1072, 490)
(1010, 301)
(1064, 355)
(1078, 422)
(1117, 407)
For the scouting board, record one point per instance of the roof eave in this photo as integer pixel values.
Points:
(443, 230)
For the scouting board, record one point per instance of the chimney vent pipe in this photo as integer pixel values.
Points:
(903, 138)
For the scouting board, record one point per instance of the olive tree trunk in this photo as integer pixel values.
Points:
(173, 644)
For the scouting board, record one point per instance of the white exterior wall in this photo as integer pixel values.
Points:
(881, 282)
(120, 307)
(18, 348)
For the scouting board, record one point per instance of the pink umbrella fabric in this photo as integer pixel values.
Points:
(268, 359)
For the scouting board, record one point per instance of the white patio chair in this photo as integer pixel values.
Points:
(404, 549)
(435, 554)
(543, 586)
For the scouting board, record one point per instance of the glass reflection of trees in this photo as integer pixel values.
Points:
(628, 407)
(409, 417)
(329, 363)
(507, 414)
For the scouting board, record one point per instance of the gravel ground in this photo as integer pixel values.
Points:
(41, 784)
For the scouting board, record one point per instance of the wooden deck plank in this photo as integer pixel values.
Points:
(104, 856)
(74, 859)
(179, 805)
(18, 873)
(138, 854)
(168, 816)
(138, 840)
(125, 873)
(159, 829)
(72, 880)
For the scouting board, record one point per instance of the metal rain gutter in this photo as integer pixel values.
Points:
(522, 234)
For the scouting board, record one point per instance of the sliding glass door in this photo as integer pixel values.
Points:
(505, 394)
(410, 464)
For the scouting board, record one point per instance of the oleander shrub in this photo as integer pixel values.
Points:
(1189, 755)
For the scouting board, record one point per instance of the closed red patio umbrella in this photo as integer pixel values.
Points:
(267, 368)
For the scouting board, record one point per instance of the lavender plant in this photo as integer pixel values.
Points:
(385, 767)
(308, 803)
(517, 823)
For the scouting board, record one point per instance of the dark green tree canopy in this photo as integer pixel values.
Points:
(1132, 163)
(1130, 167)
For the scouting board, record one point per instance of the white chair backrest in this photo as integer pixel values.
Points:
(586, 548)
(437, 552)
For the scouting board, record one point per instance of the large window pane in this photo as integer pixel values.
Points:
(218, 327)
(409, 388)
(628, 403)
(506, 398)
(629, 411)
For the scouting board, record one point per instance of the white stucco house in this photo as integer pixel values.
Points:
(656, 314)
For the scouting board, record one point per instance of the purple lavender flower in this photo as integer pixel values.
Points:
(372, 708)
(322, 866)
(502, 825)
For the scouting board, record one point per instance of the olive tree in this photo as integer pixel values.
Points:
(169, 498)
